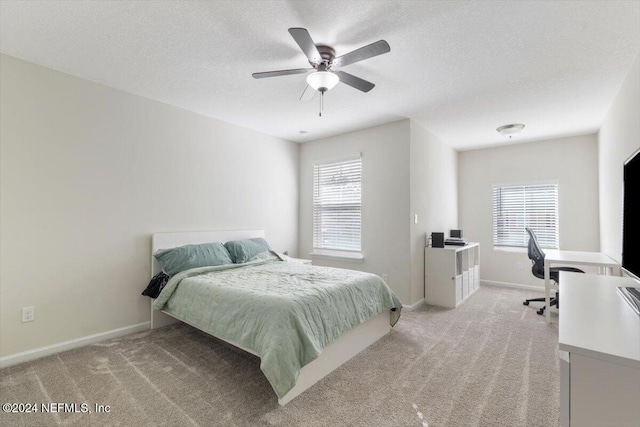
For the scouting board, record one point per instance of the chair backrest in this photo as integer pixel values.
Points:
(536, 255)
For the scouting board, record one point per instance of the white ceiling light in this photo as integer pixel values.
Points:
(510, 130)
(322, 81)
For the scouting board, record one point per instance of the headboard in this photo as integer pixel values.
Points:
(172, 240)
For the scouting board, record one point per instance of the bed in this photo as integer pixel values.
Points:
(296, 343)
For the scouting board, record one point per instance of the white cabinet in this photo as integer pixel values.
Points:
(452, 274)
(599, 347)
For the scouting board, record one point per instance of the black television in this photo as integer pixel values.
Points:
(631, 217)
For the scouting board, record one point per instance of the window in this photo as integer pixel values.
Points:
(336, 204)
(525, 206)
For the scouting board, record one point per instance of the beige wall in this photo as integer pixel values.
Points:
(573, 162)
(385, 200)
(619, 137)
(89, 172)
(434, 197)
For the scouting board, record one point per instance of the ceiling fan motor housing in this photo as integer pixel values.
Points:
(328, 54)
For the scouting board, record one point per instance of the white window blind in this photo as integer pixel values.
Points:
(336, 204)
(525, 206)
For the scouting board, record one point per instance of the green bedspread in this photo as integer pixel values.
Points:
(286, 312)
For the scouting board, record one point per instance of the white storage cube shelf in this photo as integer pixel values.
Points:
(452, 274)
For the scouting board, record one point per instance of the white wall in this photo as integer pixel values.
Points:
(406, 170)
(89, 172)
(573, 162)
(385, 199)
(434, 197)
(618, 138)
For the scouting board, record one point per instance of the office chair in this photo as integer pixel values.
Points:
(536, 255)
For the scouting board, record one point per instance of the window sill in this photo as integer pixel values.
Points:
(338, 255)
(515, 249)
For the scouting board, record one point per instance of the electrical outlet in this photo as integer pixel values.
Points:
(384, 277)
(28, 314)
(519, 265)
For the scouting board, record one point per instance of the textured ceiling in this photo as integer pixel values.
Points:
(460, 68)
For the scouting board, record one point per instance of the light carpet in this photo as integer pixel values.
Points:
(491, 362)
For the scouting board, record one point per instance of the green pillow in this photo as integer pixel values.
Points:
(183, 258)
(243, 250)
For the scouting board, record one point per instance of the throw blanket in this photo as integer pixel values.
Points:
(286, 312)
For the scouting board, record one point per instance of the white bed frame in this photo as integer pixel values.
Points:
(331, 358)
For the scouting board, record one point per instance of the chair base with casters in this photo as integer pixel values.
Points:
(554, 301)
(554, 274)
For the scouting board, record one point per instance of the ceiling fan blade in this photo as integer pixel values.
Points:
(307, 94)
(355, 82)
(302, 37)
(366, 52)
(280, 73)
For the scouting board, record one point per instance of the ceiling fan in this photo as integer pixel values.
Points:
(326, 66)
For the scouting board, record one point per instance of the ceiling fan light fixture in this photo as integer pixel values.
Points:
(322, 81)
(509, 130)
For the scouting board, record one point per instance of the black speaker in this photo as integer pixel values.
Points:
(437, 240)
(455, 233)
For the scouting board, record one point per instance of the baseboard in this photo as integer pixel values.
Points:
(25, 356)
(413, 306)
(512, 285)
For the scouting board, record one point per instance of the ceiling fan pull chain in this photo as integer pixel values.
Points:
(321, 103)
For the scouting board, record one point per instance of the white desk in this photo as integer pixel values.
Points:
(599, 343)
(552, 256)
